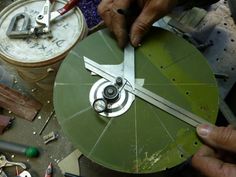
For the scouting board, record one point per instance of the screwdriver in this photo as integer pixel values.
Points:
(28, 151)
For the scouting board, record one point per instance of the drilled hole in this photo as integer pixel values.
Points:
(232, 40)
(225, 49)
(187, 93)
(196, 143)
(181, 155)
(225, 24)
(232, 69)
(161, 67)
(217, 59)
(218, 32)
(173, 79)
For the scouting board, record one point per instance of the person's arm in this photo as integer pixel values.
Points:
(218, 157)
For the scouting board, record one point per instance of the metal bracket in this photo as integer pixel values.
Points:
(23, 32)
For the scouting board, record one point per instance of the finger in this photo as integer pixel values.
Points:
(119, 22)
(206, 162)
(151, 12)
(104, 10)
(218, 137)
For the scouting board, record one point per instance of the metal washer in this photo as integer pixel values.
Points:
(122, 104)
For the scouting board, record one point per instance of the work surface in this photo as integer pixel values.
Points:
(26, 132)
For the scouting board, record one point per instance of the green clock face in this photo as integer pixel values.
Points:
(144, 139)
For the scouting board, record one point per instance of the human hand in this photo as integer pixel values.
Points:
(218, 157)
(150, 11)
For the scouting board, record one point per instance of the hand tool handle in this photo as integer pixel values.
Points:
(71, 4)
(18, 148)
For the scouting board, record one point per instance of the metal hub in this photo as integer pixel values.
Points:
(111, 93)
(117, 102)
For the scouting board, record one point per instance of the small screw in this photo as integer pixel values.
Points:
(40, 17)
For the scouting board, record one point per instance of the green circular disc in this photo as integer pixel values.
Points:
(145, 139)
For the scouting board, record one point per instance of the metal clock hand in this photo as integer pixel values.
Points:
(129, 65)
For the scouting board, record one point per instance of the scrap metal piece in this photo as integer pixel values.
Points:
(46, 122)
(23, 32)
(71, 163)
(5, 163)
(50, 137)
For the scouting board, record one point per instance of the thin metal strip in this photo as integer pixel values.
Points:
(167, 106)
(129, 65)
(149, 96)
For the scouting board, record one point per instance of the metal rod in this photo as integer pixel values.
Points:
(46, 123)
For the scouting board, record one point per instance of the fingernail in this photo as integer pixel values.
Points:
(204, 130)
(136, 41)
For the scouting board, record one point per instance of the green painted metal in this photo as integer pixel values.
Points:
(144, 139)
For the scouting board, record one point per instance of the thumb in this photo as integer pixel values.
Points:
(218, 137)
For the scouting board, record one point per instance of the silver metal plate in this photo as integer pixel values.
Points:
(115, 109)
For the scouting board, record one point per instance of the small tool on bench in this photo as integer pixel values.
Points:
(5, 163)
(28, 151)
(41, 24)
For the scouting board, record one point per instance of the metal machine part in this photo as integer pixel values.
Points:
(107, 105)
(5, 163)
(150, 139)
(144, 94)
(111, 92)
(41, 23)
(100, 105)
(52, 136)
